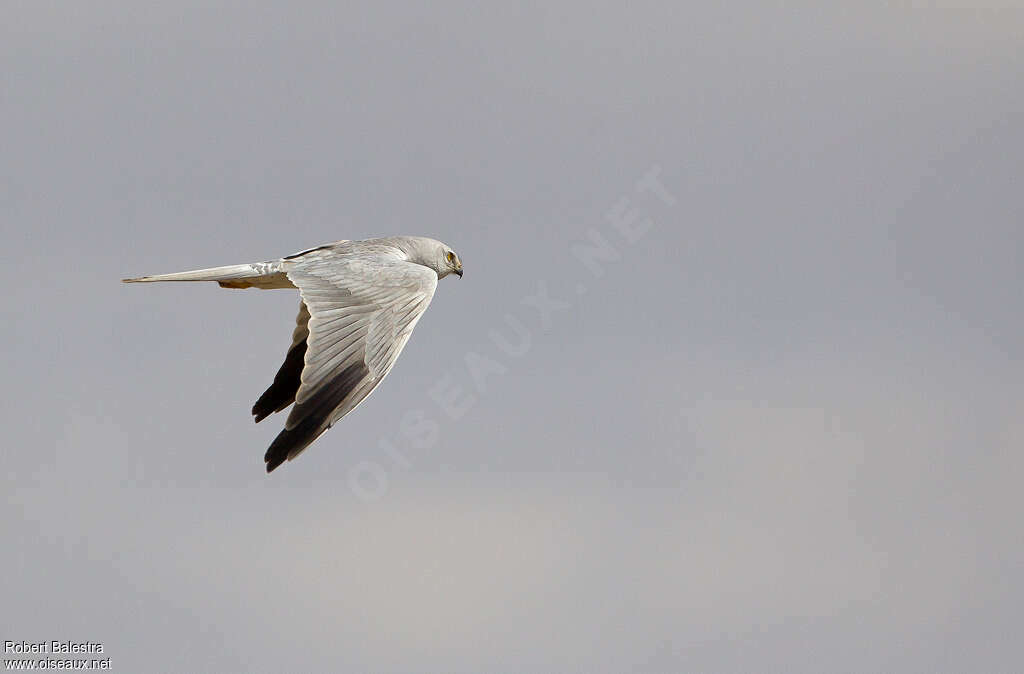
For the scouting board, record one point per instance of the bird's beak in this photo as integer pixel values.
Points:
(459, 272)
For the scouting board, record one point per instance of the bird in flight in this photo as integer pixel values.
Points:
(360, 301)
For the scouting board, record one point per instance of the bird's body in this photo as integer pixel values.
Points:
(360, 303)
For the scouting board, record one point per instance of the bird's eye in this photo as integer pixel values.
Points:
(451, 256)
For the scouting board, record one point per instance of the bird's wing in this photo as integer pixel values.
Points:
(362, 310)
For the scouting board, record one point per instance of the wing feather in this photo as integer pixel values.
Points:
(281, 393)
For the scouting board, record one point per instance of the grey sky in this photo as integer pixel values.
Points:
(776, 434)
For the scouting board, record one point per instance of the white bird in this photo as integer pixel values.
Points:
(360, 303)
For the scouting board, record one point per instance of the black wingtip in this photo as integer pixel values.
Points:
(316, 410)
(275, 456)
(281, 393)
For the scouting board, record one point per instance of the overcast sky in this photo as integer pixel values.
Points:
(775, 425)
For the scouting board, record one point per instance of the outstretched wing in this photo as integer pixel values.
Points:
(362, 310)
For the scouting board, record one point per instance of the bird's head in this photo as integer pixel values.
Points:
(430, 253)
(450, 263)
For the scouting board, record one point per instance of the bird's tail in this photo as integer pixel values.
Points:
(253, 275)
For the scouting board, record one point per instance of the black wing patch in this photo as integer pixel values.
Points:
(308, 250)
(282, 392)
(314, 414)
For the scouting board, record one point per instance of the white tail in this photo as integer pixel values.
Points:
(266, 275)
